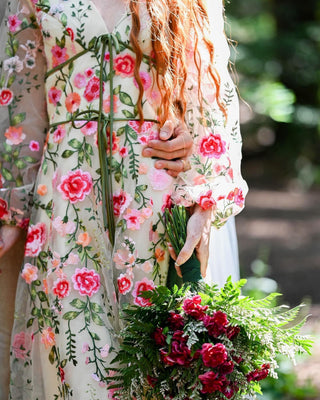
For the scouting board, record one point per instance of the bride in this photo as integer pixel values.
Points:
(112, 74)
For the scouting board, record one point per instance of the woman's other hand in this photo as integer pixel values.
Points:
(172, 149)
(9, 235)
(198, 238)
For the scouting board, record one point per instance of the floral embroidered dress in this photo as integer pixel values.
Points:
(67, 85)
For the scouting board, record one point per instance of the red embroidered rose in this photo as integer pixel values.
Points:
(6, 97)
(3, 209)
(217, 324)
(61, 288)
(213, 355)
(70, 33)
(124, 65)
(124, 284)
(259, 373)
(75, 186)
(121, 201)
(62, 374)
(142, 286)
(54, 95)
(194, 308)
(36, 238)
(212, 146)
(86, 281)
(92, 90)
(210, 382)
(206, 201)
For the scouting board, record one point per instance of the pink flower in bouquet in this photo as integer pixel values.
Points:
(210, 382)
(259, 373)
(159, 337)
(194, 308)
(175, 321)
(180, 353)
(213, 355)
(216, 324)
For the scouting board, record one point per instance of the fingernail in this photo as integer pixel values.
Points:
(164, 135)
(159, 164)
(147, 152)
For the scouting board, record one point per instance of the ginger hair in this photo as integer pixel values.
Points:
(173, 24)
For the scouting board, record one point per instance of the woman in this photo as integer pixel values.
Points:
(94, 239)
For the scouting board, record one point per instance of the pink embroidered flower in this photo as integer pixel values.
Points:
(145, 80)
(206, 201)
(89, 72)
(92, 90)
(199, 180)
(29, 273)
(124, 65)
(80, 81)
(123, 258)
(106, 104)
(143, 168)
(4, 212)
(159, 179)
(72, 102)
(73, 259)
(121, 201)
(59, 134)
(90, 128)
(124, 284)
(212, 146)
(147, 212)
(139, 287)
(84, 239)
(54, 95)
(107, 56)
(123, 151)
(36, 238)
(115, 141)
(14, 135)
(237, 196)
(14, 23)
(63, 228)
(59, 55)
(86, 281)
(21, 345)
(34, 145)
(61, 288)
(144, 129)
(134, 219)
(167, 202)
(75, 186)
(146, 267)
(48, 337)
(105, 350)
(6, 97)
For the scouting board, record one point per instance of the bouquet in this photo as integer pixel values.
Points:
(197, 341)
(215, 344)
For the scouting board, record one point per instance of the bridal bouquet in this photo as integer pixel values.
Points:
(215, 344)
(198, 341)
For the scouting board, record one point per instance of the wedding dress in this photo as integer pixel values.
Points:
(68, 96)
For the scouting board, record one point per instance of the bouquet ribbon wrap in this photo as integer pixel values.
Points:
(190, 273)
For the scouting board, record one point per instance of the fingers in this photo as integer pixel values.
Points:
(188, 248)
(165, 154)
(167, 130)
(9, 235)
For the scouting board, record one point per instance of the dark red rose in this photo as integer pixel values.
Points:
(151, 380)
(236, 359)
(232, 332)
(159, 337)
(229, 389)
(180, 353)
(259, 373)
(175, 321)
(216, 324)
(226, 368)
(211, 382)
(194, 308)
(213, 355)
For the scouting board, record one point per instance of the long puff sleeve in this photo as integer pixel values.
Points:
(23, 118)
(214, 180)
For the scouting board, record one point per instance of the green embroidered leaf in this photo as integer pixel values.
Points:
(51, 355)
(88, 149)
(75, 144)
(42, 296)
(71, 315)
(95, 336)
(30, 160)
(126, 99)
(64, 19)
(7, 174)
(20, 164)
(30, 322)
(121, 131)
(18, 118)
(79, 304)
(117, 89)
(128, 114)
(67, 153)
(45, 166)
(35, 312)
(96, 308)
(97, 319)
(131, 132)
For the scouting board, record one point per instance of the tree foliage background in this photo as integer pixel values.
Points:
(278, 66)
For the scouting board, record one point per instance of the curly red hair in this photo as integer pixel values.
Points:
(173, 23)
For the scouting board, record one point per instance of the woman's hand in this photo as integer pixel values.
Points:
(198, 238)
(172, 149)
(9, 235)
